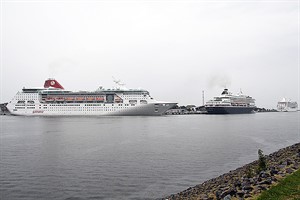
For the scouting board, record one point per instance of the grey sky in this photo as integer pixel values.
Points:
(174, 49)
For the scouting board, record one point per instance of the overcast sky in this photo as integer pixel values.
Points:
(174, 49)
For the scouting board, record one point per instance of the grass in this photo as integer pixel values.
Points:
(287, 189)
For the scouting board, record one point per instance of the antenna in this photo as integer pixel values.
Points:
(118, 82)
(203, 97)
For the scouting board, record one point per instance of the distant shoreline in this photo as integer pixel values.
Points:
(243, 182)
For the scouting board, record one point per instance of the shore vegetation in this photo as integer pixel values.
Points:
(287, 189)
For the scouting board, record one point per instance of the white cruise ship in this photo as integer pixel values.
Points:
(287, 106)
(54, 100)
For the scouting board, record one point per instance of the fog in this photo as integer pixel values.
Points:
(173, 49)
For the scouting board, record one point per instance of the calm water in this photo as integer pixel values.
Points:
(131, 157)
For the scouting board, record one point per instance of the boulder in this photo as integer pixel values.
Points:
(227, 197)
(281, 166)
(267, 181)
(237, 184)
(289, 170)
(240, 194)
(264, 174)
(288, 162)
(274, 179)
(261, 187)
(247, 188)
(273, 171)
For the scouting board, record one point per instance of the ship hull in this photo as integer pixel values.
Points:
(228, 110)
(287, 110)
(152, 109)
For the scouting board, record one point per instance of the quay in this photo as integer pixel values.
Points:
(186, 110)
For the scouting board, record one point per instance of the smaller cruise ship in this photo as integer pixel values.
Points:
(287, 105)
(227, 103)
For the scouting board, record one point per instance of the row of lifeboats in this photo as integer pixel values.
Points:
(81, 98)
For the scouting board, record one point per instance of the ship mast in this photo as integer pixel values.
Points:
(203, 97)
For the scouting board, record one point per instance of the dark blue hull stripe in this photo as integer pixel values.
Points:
(229, 110)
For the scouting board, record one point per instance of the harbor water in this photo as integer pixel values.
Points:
(131, 157)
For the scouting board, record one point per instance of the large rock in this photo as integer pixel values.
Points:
(227, 197)
(289, 170)
(240, 194)
(267, 181)
(289, 162)
(247, 188)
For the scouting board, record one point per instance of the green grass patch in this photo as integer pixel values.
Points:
(287, 189)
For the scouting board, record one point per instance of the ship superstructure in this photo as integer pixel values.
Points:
(227, 103)
(54, 100)
(287, 105)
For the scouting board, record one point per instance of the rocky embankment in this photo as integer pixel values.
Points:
(246, 182)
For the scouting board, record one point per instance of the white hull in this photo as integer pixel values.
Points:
(109, 110)
(287, 110)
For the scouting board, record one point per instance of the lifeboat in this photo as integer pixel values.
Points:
(90, 98)
(80, 98)
(59, 99)
(49, 99)
(70, 98)
(99, 98)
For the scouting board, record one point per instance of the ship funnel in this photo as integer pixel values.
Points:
(52, 83)
(225, 91)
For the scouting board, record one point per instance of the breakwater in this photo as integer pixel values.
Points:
(246, 182)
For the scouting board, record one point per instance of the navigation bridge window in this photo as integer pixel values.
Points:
(110, 98)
